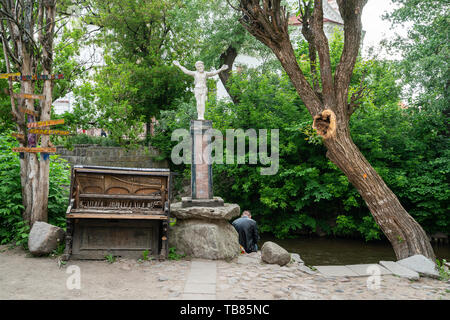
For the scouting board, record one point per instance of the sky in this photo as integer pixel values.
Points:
(376, 28)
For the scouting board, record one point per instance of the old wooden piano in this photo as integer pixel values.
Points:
(118, 211)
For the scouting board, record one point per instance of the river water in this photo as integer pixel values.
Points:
(326, 251)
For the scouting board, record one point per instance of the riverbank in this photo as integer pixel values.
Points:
(341, 251)
(26, 277)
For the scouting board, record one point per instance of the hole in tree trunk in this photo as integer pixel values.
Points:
(325, 124)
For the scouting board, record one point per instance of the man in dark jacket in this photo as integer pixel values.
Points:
(248, 232)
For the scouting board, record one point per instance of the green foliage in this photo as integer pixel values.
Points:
(145, 255)
(444, 272)
(425, 51)
(59, 249)
(110, 258)
(70, 141)
(137, 80)
(12, 227)
(173, 255)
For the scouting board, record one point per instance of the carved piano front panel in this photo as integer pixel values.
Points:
(118, 210)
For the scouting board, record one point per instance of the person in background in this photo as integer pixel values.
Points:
(248, 232)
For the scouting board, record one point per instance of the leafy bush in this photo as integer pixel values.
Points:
(12, 227)
(173, 255)
(70, 141)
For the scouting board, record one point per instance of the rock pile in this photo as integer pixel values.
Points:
(204, 232)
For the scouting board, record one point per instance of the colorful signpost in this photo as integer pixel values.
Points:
(49, 132)
(18, 136)
(37, 77)
(45, 123)
(32, 134)
(29, 96)
(34, 150)
(7, 75)
(28, 111)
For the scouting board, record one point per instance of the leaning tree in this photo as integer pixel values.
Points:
(27, 31)
(329, 104)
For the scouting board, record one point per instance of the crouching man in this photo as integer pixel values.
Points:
(248, 232)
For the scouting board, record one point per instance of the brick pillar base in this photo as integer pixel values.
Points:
(201, 168)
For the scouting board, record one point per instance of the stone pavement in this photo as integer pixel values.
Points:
(201, 281)
(355, 270)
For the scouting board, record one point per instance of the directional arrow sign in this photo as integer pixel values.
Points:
(46, 131)
(34, 150)
(28, 111)
(18, 136)
(29, 96)
(7, 75)
(38, 77)
(44, 123)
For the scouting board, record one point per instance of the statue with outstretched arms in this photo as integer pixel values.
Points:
(200, 89)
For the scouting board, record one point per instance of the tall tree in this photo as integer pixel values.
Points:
(425, 55)
(140, 39)
(331, 107)
(27, 30)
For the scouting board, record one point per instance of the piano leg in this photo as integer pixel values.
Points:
(69, 235)
(164, 243)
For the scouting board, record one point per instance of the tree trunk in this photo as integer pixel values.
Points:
(20, 45)
(404, 233)
(228, 58)
(268, 22)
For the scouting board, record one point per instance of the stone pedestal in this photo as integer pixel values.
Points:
(202, 229)
(204, 232)
(187, 202)
(201, 168)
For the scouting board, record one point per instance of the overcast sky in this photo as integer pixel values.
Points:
(376, 28)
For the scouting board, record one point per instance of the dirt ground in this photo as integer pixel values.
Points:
(25, 277)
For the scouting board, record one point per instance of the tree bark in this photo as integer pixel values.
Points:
(228, 58)
(21, 18)
(405, 235)
(268, 22)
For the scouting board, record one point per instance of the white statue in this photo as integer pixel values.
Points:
(200, 89)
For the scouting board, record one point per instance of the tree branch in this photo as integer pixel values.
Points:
(321, 43)
(306, 19)
(270, 26)
(228, 58)
(351, 11)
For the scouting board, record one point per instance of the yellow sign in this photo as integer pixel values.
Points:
(18, 136)
(28, 111)
(46, 131)
(34, 150)
(29, 96)
(7, 75)
(44, 123)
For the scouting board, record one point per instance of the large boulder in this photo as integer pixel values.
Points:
(44, 238)
(198, 238)
(420, 264)
(274, 254)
